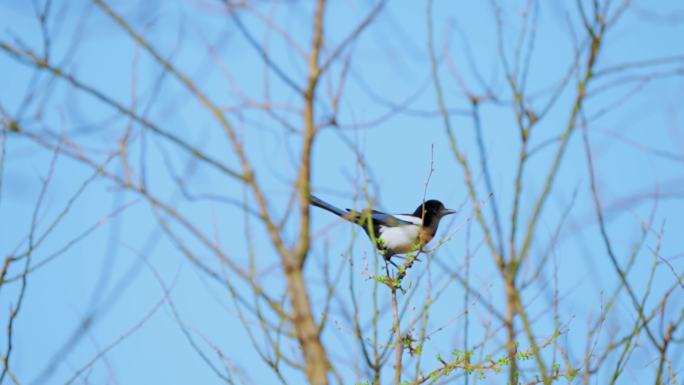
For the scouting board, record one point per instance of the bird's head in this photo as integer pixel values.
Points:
(433, 209)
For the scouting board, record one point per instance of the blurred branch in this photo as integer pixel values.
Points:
(606, 240)
(30, 58)
(460, 157)
(115, 343)
(262, 53)
(596, 33)
(14, 310)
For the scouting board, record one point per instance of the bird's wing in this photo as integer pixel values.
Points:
(394, 220)
(379, 218)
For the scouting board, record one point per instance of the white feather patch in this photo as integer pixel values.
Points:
(408, 218)
(400, 239)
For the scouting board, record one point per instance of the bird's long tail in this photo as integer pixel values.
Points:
(328, 207)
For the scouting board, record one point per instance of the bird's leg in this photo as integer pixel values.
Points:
(387, 262)
(387, 257)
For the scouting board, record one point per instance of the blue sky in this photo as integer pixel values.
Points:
(638, 149)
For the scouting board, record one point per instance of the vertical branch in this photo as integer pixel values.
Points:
(518, 109)
(3, 147)
(663, 352)
(466, 296)
(428, 297)
(398, 347)
(475, 102)
(377, 355)
(308, 333)
(310, 129)
(596, 34)
(460, 156)
(511, 345)
(27, 265)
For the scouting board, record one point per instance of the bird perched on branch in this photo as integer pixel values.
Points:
(394, 233)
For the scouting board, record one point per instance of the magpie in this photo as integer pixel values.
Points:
(394, 233)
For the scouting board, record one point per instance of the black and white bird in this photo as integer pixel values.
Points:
(395, 233)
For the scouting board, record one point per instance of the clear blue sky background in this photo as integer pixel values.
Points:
(638, 150)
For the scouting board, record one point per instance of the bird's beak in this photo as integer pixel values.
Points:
(446, 212)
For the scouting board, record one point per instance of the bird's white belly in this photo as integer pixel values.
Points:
(400, 239)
